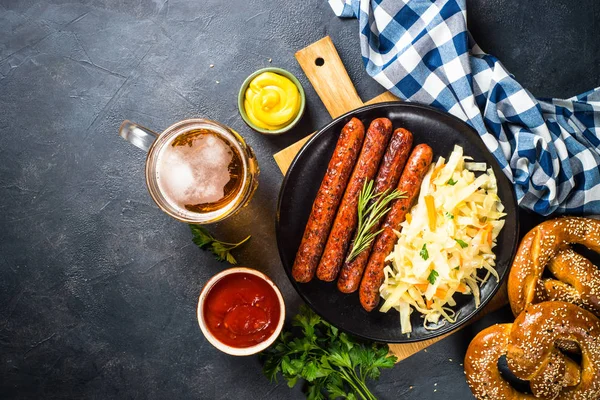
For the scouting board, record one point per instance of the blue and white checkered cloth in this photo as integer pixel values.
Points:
(421, 51)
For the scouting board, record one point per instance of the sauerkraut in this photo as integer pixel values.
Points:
(447, 237)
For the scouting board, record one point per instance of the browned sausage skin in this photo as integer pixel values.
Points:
(387, 178)
(327, 200)
(376, 141)
(410, 182)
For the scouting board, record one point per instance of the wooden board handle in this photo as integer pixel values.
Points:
(326, 72)
(285, 157)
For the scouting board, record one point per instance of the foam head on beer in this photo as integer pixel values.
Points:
(199, 171)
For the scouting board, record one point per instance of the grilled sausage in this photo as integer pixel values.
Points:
(327, 200)
(410, 183)
(376, 140)
(387, 178)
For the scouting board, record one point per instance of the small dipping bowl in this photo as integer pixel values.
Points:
(242, 96)
(227, 348)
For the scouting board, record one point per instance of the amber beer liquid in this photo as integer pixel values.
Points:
(197, 171)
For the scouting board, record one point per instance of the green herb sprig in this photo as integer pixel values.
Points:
(424, 253)
(461, 243)
(334, 364)
(433, 275)
(206, 241)
(371, 208)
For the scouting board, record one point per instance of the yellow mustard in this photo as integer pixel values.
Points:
(272, 101)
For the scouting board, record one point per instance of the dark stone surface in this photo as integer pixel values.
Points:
(98, 287)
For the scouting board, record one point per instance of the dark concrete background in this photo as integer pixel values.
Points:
(98, 287)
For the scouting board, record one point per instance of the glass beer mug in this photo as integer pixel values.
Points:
(197, 171)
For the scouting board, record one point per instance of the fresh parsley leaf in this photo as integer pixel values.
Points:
(315, 391)
(229, 258)
(302, 321)
(346, 340)
(451, 182)
(299, 345)
(336, 391)
(334, 331)
(292, 381)
(340, 359)
(457, 267)
(314, 319)
(424, 253)
(376, 358)
(270, 369)
(449, 216)
(291, 367)
(312, 371)
(203, 239)
(461, 243)
(333, 364)
(325, 362)
(433, 275)
(286, 367)
(358, 357)
(384, 361)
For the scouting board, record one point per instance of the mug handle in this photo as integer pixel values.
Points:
(137, 135)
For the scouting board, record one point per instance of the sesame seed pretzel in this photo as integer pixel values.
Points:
(578, 281)
(547, 245)
(532, 355)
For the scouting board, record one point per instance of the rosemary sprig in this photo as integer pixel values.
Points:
(371, 208)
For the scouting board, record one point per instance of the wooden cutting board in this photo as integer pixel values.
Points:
(326, 72)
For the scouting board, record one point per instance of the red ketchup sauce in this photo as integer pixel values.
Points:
(241, 310)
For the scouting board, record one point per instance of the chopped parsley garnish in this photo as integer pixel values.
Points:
(433, 275)
(424, 253)
(451, 182)
(461, 243)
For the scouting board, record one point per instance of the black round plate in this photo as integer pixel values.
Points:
(439, 130)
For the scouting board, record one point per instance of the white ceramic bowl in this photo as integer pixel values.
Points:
(239, 351)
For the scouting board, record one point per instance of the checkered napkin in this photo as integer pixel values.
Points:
(421, 51)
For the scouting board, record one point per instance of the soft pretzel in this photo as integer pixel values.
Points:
(530, 348)
(578, 284)
(481, 365)
(577, 281)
